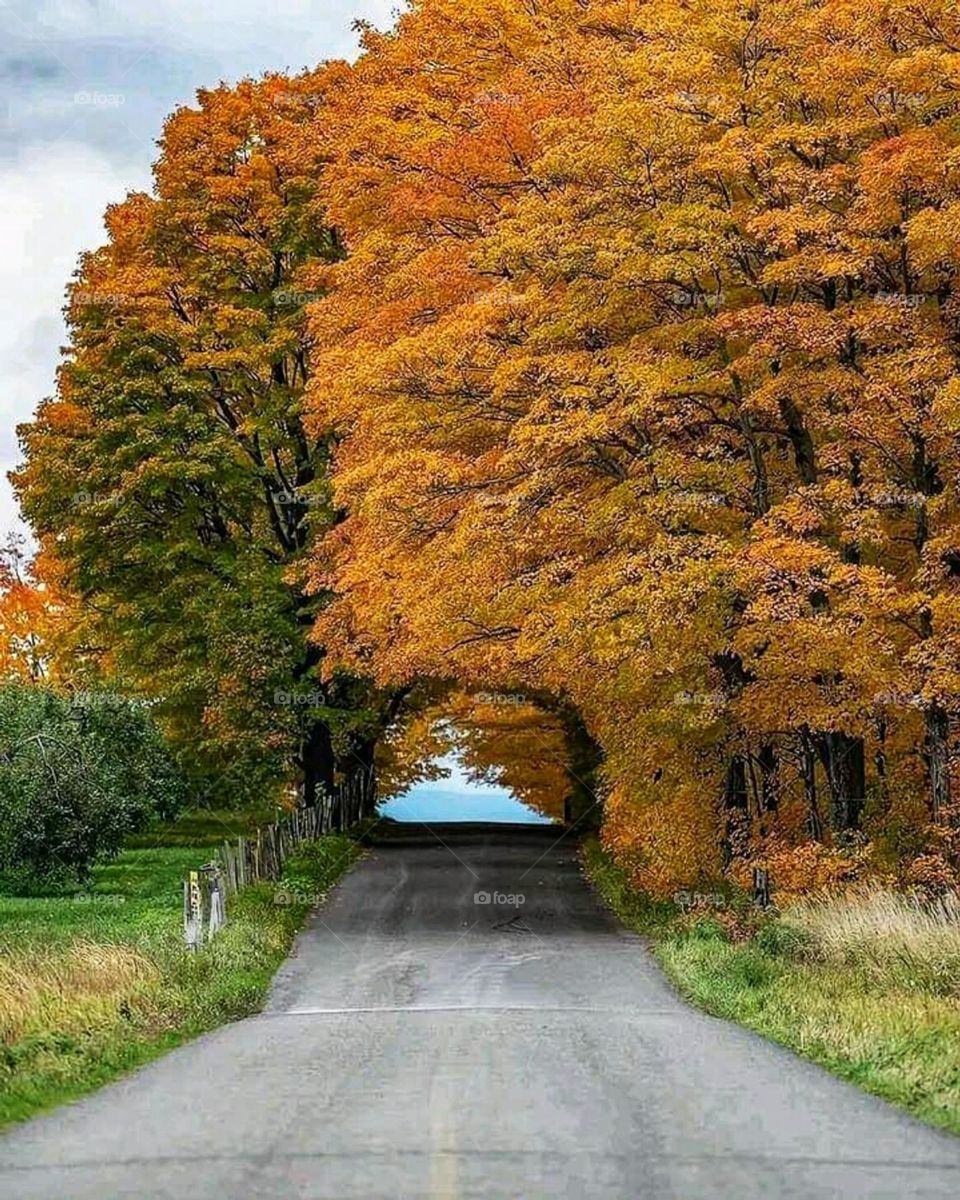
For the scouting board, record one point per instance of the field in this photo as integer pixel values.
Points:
(96, 981)
(865, 984)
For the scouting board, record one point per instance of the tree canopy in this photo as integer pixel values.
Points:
(644, 355)
(623, 375)
(172, 477)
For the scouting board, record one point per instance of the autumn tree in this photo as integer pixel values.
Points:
(172, 477)
(597, 353)
(643, 357)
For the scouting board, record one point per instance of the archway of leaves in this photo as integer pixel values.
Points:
(600, 352)
(644, 361)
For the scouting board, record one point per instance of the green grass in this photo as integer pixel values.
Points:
(97, 981)
(894, 1034)
(203, 827)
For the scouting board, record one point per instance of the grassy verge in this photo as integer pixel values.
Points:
(866, 987)
(97, 982)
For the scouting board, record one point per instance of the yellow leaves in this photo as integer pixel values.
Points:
(662, 834)
(899, 175)
(37, 617)
(774, 332)
(127, 221)
(811, 867)
(933, 236)
(785, 231)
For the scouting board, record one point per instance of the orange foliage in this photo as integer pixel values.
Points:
(639, 378)
(644, 361)
(33, 617)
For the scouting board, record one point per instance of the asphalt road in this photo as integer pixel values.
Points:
(419, 1043)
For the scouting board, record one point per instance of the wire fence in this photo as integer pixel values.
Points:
(261, 856)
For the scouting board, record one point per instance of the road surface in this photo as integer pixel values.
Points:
(422, 1043)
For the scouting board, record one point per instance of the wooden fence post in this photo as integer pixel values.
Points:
(216, 916)
(192, 911)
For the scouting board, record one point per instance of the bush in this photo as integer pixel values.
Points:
(76, 778)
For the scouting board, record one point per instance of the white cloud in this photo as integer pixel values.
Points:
(289, 31)
(52, 199)
(62, 162)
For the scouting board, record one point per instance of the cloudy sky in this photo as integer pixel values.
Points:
(84, 87)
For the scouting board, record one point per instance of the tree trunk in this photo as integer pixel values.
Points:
(808, 771)
(936, 754)
(317, 762)
(767, 760)
(584, 756)
(804, 455)
(766, 800)
(736, 805)
(363, 767)
(880, 763)
(844, 762)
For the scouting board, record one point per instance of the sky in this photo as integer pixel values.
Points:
(456, 798)
(84, 88)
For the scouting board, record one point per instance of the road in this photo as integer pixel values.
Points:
(419, 1043)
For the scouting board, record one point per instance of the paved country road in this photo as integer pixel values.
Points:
(421, 1044)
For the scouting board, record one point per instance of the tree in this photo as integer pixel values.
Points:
(77, 776)
(171, 477)
(644, 358)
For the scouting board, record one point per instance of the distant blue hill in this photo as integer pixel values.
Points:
(431, 802)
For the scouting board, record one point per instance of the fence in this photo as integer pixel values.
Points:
(206, 891)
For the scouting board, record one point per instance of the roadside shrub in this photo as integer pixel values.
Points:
(76, 778)
(782, 940)
(811, 866)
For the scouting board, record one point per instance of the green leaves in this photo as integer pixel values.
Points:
(173, 478)
(76, 776)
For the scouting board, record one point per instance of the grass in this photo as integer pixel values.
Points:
(96, 982)
(865, 984)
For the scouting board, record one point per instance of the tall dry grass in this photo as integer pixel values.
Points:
(890, 936)
(78, 988)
